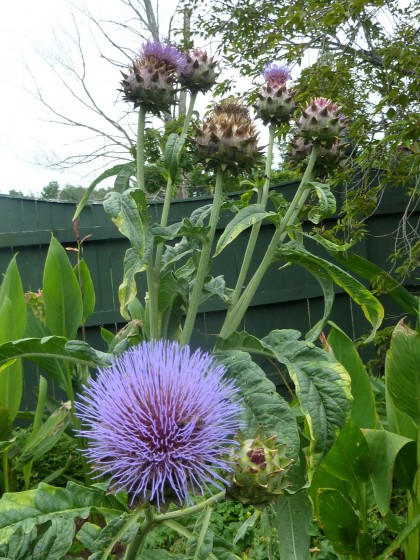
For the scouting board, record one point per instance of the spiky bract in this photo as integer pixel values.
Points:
(228, 139)
(321, 121)
(151, 81)
(199, 73)
(328, 156)
(261, 465)
(159, 422)
(275, 103)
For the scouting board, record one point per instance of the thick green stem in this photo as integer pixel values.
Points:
(256, 227)
(169, 188)
(130, 522)
(190, 510)
(203, 263)
(134, 548)
(140, 148)
(237, 312)
(184, 532)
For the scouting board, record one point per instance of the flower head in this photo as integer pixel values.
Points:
(228, 138)
(151, 81)
(199, 73)
(276, 75)
(159, 422)
(321, 121)
(167, 54)
(275, 102)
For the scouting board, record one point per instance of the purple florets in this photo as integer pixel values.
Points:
(275, 75)
(159, 421)
(168, 54)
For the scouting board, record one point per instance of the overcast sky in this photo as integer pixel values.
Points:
(27, 138)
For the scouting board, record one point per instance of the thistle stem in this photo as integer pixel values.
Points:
(169, 188)
(203, 532)
(135, 547)
(140, 148)
(237, 312)
(256, 227)
(191, 510)
(203, 263)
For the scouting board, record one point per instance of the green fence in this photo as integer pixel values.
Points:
(287, 298)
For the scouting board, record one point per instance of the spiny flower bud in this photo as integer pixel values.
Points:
(321, 121)
(328, 157)
(260, 465)
(199, 73)
(228, 139)
(275, 102)
(152, 77)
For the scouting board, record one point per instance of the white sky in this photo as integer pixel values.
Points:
(26, 136)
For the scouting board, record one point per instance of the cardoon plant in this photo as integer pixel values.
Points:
(160, 421)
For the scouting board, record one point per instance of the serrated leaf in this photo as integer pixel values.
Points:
(327, 204)
(369, 304)
(293, 522)
(127, 211)
(322, 384)
(108, 173)
(245, 218)
(55, 541)
(181, 229)
(122, 180)
(61, 292)
(35, 507)
(264, 406)
(248, 524)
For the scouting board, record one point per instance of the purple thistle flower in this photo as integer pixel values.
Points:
(275, 75)
(168, 54)
(159, 421)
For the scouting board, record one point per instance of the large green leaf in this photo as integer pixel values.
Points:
(293, 522)
(349, 458)
(50, 350)
(12, 327)
(384, 447)
(402, 371)
(327, 205)
(173, 293)
(108, 173)
(122, 180)
(33, 508)
(338, 520)
(129, 213)
(263, 405)
(87, 289)
(61, 292)
(245, 218)
(46, 437)
(370, 306)
(172, 154)
(363, 410)
(379, 278)
(186, 228)
(322, 384)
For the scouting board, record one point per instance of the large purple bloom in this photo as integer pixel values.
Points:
(159, 421)
(165, 53)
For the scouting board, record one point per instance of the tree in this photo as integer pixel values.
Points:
(363, 54)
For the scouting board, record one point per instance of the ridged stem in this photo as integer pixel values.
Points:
(256, 227)
(42, 396)
(135, 547)
(190, 510)
(169, 187)
(236, 314)
(203, 263)
(150, 275)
